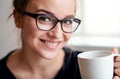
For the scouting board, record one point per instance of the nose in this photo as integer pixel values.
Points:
(56, 31)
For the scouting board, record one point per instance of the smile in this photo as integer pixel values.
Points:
(50, 44)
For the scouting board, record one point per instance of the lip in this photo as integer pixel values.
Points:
(51, 44)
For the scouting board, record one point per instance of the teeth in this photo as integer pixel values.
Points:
(51, 44)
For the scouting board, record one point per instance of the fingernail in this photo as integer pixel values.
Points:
(115, 50)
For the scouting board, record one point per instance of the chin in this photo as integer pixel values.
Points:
(49, 54)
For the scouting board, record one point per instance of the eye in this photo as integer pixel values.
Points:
(68, 21)
(44, 18)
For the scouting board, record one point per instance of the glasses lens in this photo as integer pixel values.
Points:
(45, 22)
(70, 25)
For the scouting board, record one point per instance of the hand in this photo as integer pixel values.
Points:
(116, 63)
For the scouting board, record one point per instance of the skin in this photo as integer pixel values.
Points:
(41, 56)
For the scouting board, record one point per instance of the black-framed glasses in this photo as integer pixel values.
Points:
(47, 22)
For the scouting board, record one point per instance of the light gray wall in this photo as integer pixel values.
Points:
(8, 31)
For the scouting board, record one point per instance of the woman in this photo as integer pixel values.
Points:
(46, 26)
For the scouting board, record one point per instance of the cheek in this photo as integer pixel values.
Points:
(29, 30)
(29, 25)
(67, 37)
(30, 38)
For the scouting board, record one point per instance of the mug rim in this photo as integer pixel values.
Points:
(83, 55)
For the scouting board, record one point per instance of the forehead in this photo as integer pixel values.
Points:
(66, 7)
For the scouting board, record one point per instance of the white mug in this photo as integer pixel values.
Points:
(97, 64)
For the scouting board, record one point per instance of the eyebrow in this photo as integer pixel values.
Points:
(42, 10)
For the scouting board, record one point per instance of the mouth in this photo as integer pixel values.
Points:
(51, 44)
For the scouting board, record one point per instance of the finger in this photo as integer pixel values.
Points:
(117, 64)
(116, 77)
(117, 59)
(117, 71)
(115, 50)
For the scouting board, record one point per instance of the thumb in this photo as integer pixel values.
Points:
(115, 50)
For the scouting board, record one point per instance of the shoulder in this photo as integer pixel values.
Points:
(5, 73)
(3, 68)
(71, 53)
(70, 67)
(3, 62)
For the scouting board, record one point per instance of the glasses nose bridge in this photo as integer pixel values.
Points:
(58, 26)
(57, 21)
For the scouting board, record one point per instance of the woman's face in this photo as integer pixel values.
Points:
(47, 44)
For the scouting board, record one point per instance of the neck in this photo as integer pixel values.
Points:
(36, 64)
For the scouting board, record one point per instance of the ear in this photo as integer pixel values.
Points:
(17, 19)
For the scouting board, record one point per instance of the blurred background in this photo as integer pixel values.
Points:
(99, 30)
